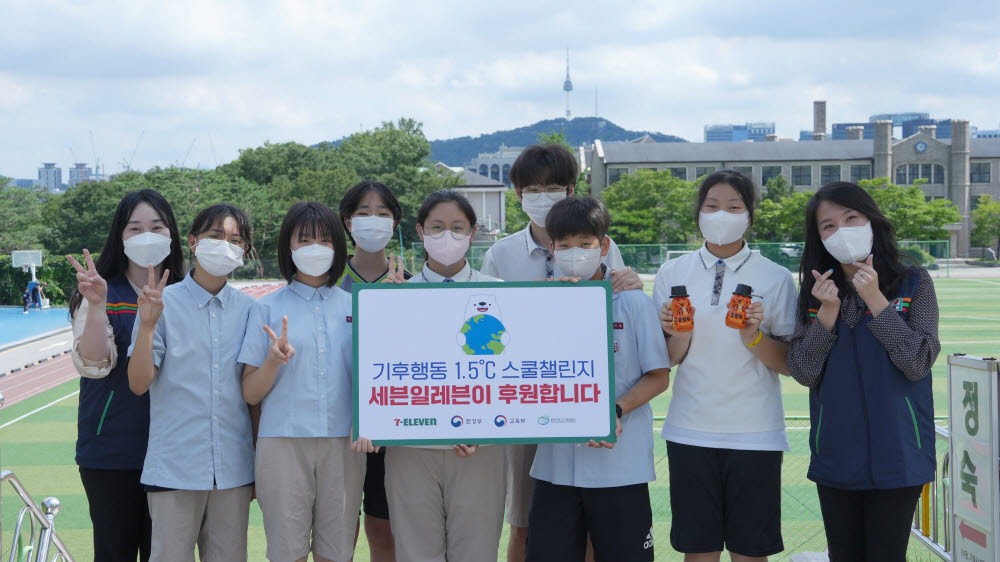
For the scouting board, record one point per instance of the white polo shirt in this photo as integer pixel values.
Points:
(639, 349)
(723, 395)
(519, 258)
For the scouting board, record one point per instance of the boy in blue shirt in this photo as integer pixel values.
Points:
(601, 489)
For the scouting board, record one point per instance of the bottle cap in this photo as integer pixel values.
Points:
(742, 289)
(678, 291)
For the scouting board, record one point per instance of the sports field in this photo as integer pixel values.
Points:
(40, 447)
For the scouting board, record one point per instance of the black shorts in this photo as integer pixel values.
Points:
(375, 502)
(725, 499)
(619, 521)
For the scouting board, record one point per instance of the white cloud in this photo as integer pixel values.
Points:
(311, 70)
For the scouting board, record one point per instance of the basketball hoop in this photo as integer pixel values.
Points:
(25, 268)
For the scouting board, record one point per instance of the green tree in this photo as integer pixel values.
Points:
(782, 220)
(651, 208)
(778, 188)
(911, 215)
(986, 223)
(23, 226)
(515, 217)
(262, 165)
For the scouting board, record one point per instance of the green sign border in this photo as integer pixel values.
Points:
(355, 322)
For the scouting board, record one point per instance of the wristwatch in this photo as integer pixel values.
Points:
(618, 410)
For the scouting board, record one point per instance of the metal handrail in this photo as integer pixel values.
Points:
(925, 517)
(45, 520)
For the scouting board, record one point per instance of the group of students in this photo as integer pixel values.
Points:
(196, 398)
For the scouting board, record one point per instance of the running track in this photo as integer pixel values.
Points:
(26, 383)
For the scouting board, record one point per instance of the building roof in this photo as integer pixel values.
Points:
(737, 151)
(629, 153)
(984, 148)
(472, 179)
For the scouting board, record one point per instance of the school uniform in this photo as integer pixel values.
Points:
(871, 435)
(519, 258)
(308, 479)
(199, 462)
(112, 432)
(581, 490)
(374, 501)
(725, 427)
(444, 507)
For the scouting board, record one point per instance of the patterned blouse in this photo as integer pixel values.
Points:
(913, 344)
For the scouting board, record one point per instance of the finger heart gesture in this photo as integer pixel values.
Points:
(280, 350)
(865, 280)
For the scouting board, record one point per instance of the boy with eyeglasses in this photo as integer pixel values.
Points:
(542, 175)
(602, 489)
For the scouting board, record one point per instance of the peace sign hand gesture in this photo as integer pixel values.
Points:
(151, 298)
(396, 271)
(280, 351)
(91, 285)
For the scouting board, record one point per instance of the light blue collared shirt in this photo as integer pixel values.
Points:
(199, 424)
(639, 348)
(312, 395)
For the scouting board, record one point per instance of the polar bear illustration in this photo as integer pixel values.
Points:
(483, 332)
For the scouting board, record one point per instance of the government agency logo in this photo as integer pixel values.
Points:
(483, 332)
(543, 420)
(500, 421)
(456, 421)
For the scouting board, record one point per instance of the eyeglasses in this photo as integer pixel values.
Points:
(533, 192)
(437, 231)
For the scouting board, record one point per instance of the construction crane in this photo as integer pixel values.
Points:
(93, 149)
(128, 163)
(188, 153)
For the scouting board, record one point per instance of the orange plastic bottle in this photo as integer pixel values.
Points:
(736, 316)
(680, 306)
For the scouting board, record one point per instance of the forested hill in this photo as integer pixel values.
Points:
(580, 130)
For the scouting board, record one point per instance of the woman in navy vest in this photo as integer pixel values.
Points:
(865, 340)
(113, 423)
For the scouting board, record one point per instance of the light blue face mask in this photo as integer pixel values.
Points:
(578, 262)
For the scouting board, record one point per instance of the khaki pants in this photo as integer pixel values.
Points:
(216, 520)
(446, 508)
(520, 484)
(309, 486)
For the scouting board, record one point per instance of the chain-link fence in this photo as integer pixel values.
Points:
(801, 519)
(647, 258)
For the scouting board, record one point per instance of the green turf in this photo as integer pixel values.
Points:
(40, 448)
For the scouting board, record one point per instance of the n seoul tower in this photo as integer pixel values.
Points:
(567, 85)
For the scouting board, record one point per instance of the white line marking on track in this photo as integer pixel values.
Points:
(963, 342)
(57, 344)
(984, 281)
(973, 318)
(36, 410)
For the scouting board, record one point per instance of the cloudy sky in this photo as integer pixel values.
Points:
(214, 77)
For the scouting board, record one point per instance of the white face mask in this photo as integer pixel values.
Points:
(148, 248)
(850, 243)
(721, 228)
(578, 262)
(371, 234)
(448, 248)
(314, 259)
(218, 257)
(538, 209)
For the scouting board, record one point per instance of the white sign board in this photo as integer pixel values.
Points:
(975, 470)
(483, 363)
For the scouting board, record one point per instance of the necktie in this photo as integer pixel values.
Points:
(720, 272)
(548, 264)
